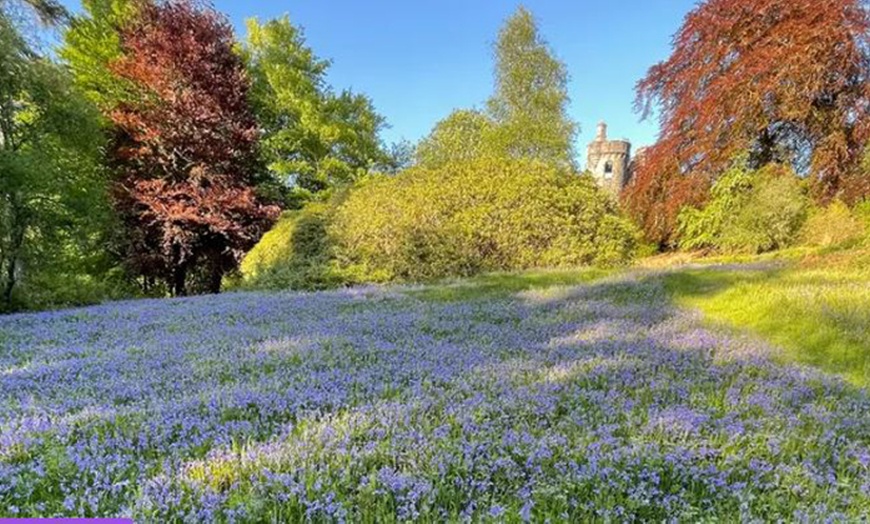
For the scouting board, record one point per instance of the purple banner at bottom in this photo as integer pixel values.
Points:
(65, 521)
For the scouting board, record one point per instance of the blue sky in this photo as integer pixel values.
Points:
(418, 60)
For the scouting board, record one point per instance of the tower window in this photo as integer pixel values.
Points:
(608, 168)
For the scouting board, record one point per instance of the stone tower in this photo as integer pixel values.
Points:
(609, 161)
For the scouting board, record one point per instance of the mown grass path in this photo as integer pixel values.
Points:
(571, 395)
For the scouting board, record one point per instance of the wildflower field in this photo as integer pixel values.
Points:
(584, 396)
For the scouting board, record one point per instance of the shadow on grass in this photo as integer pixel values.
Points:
(424, 361)
(614, 341)
(818, 317)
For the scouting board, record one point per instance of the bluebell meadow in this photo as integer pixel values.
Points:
(587, 403)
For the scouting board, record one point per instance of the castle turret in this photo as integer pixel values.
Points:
(609, 161)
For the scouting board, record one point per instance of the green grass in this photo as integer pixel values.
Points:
(817, 309)
(814, 304)
(503, 284)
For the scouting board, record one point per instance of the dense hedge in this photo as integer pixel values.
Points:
(836, 225)
(749, 212)
(454, 220)
(483, 215)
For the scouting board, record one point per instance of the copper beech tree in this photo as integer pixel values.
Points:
(186, 149)
(762, 80)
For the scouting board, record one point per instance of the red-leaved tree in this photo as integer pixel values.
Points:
(763, 80)
(185, 147)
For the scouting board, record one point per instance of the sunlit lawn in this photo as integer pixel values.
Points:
(817, 310)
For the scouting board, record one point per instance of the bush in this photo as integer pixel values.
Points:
(862, 211)
(748, 212)
(67, 287)
(834, 225)
(296, 254)
(484, 215)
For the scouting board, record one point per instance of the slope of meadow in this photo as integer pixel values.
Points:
(815, 307)
(568, 395)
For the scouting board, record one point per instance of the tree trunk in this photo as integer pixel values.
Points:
(10, 284)
(214, 283)
(179, 280)
(764, 151)
(16, 243)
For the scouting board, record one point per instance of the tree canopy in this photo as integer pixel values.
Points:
(530, 102)
(52, 189)
(155, 149)
(313, 138)
(92, 43)
(527, 115)
(774, 80)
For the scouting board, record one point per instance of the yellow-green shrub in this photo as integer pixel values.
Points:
(834, 225)
(482, 215)
(748, 212)
(296, 254)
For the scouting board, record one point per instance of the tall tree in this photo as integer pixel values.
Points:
(52, 190)
(313, 138)
(185, 148)
(530, 103)
(92, 43)
(49, 11)
(775, 80)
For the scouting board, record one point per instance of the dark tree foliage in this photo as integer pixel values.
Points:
(53, 205)
(775, 80)
(186, 149)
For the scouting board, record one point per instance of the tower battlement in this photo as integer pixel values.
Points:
(609, 161)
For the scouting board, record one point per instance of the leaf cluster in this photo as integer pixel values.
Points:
(314, 139)
(53, 190)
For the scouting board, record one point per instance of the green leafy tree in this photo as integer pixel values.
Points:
(92, 42)
(48, 11)
(400, 156)
(526, 117)
(53, 203)
(530, 102)
(313, 138)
